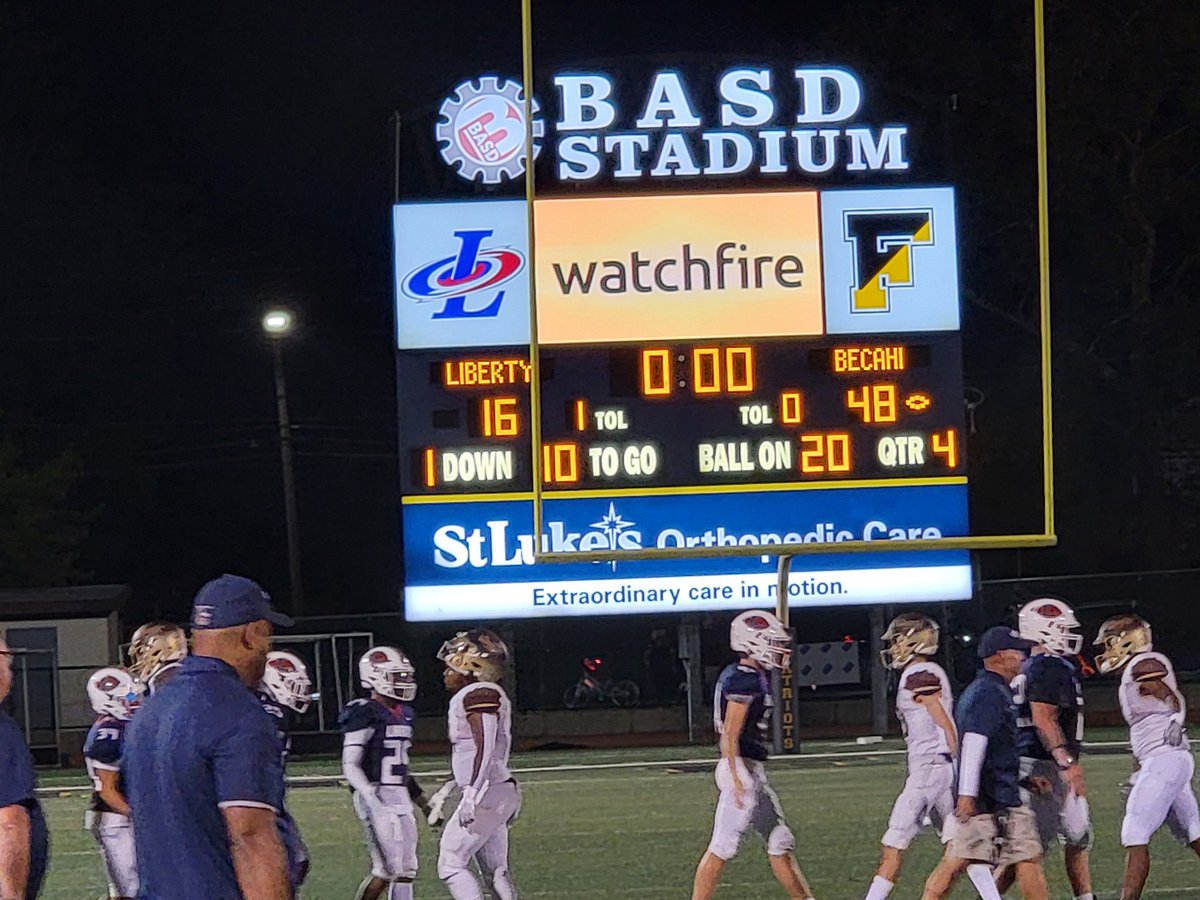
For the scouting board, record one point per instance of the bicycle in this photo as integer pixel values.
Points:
(592, 688)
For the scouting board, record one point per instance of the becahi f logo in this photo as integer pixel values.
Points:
(471, 273)
(884, 242)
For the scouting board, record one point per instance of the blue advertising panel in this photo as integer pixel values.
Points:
(474, 558)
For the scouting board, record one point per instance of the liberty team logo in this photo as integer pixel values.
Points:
(472, 273)
(462, 274)
(481, 130)
(890, 260)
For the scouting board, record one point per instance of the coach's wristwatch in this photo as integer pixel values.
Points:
(1063, 758)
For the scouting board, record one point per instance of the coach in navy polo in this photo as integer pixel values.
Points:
(990, 827)
(202, 761)
(24, 841)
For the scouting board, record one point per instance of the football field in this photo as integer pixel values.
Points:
(634, 823)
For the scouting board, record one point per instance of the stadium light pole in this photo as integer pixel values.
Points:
(278, 324)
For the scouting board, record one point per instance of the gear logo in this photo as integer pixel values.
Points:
(481, 130)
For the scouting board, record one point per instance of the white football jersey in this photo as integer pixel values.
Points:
(462, 742)
(1149, 718)
(921, 732)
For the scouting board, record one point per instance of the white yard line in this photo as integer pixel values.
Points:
(335, 780)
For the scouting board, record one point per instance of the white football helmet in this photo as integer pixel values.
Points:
(114, 692)
(762, 637)
(153, 646)
(286, 680)
(1051, 623)
(388, 671)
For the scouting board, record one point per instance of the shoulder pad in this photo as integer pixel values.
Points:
(357, 715)
(742, 681)
(922, 681)
(484, 698)
(1149, 668)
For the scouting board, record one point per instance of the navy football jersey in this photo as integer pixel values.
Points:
(1054, 680)
(279, 715)
(385, 754)
(103, 749)
(745, 684)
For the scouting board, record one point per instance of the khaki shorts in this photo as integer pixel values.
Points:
(999, 840)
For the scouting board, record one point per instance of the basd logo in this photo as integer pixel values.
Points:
(473, 272)
(481, 130)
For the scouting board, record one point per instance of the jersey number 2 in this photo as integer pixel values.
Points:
(393, 768)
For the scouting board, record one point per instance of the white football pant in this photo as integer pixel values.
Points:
(391, 839)
(761, 811)
(1162, 792)
(485, 840)
(114, 834)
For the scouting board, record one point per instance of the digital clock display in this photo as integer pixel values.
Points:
(686, 414)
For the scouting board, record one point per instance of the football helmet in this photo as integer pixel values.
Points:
(286, 680)
(1050, 622)
(762, 637)
(153, 646)
(387, 671)
(1121, 638)
(478, 653)
(114, 692)
(908, 635)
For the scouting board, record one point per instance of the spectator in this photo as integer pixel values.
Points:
(203, 763)
(24, 841)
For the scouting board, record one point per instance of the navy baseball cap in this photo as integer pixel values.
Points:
(232, 600)
(1000, 637)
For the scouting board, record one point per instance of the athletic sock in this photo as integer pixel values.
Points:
(1088, 896)
(880, 888)
(981, 877)
(400, 890)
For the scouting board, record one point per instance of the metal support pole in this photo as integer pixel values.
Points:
(289, 482)
(689, 654)
(879, 675)
(784, 572)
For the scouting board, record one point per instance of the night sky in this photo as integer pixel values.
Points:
(170, 170)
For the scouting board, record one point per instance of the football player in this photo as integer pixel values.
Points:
(741, 716)
(480, 730)
(155, 652)
(286, 686)
(115, 696)
(377, 734)
(1049, 698)
(923, 706)
(1155, 711)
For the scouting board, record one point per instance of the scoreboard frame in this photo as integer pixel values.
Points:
(1046, 538)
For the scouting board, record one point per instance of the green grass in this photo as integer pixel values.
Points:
(638, 832)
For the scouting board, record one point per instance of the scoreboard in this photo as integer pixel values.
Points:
(718, 370)
(764, 412)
